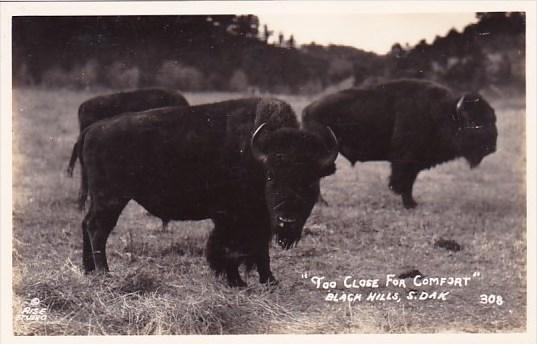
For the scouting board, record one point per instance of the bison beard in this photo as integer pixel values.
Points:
(244, 164)
(413, 124)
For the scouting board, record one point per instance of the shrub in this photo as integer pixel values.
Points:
(55, 77)
(238, 81)
(85, 76)
(22, 76)
(311, 87)
(217, 82)
(119, 75)
(173, 74)
(339, 69)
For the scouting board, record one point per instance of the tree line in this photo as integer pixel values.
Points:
(229, 52)
(489, 53)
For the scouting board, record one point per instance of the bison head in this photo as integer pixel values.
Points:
(294, 161)
(477, 131)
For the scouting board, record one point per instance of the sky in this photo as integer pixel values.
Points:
(370, 32)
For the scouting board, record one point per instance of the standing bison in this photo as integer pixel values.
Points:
(413, 124)
(244, 163)
(101, 107)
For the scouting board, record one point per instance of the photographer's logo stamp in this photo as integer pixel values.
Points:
(33, 311)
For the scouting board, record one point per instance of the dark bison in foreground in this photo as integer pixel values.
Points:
(101, 107)
(244, 163)
(413, 124)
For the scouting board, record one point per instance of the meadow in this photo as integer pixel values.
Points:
(160, 282)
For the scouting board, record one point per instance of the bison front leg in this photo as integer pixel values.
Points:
(402, 180)
(233, 276)
(263, 268)
(222, 254)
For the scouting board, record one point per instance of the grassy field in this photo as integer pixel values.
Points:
(161, 284)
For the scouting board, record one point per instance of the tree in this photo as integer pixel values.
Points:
(397, 50)
(266, 33)
(291, 42)
(176, 75)
(246, 26)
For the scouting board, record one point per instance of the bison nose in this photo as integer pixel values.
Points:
(285, 221)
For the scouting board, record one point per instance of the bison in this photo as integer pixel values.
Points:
(413, 124)
(245, 164)
(101, 107)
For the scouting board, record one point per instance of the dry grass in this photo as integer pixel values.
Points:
(160, 283)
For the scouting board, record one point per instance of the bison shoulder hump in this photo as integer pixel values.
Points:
(275, 111)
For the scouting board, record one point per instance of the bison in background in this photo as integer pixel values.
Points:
(243, 163)
(101, 107)
(413, 124)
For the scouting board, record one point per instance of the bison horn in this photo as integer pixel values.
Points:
(458, 112)
(332, 150)
(258, 154)
(459, 104)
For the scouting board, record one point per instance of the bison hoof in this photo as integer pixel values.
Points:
(236, 283)
(270, 281)
(410, 204)
(98, 273)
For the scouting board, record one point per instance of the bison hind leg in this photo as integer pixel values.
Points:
(96, 226)
(402, 181)
(87, 252)
(408, 201)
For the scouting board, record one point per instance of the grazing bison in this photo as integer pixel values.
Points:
(244, 163)
(413, 124)
(101, 107)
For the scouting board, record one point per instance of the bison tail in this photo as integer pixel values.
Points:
(72, 161)
(83, 192)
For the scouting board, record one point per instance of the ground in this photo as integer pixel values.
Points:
(160, 282)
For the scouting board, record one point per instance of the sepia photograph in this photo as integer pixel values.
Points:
(236, 170)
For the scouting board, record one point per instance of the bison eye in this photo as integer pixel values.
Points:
(269, 177)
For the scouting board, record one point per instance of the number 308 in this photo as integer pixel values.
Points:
(491, 299)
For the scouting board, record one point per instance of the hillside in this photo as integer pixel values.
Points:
(489, 53)
(231, 53)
